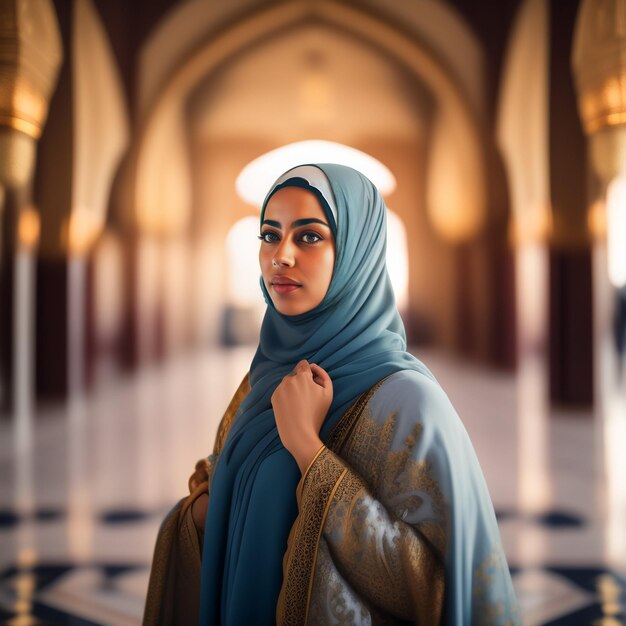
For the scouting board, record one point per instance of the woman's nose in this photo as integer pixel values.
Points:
(284, 254)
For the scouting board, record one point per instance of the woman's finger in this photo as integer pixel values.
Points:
(320, 376)
(302, 367)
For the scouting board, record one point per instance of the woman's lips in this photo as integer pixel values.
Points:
(282, 289)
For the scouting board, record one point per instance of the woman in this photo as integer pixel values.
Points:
(343, 486)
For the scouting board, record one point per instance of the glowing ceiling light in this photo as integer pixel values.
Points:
(616, 230)
(255, 179)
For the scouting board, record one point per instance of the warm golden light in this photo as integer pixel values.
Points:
(81, 230)
(598, 64)
(315, 97)
(25, 585)
(30, 57)
(159, 221)
(455, 183)
(108, 285)
(596, 220)
(28, 228)
(533, 225)
(257, 177)
(30, 108)
(453, 222)
(604, 107)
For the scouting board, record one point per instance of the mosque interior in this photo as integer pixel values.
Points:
(136, 142)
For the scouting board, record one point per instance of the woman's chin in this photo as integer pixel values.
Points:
(292, 308)
(286, 307)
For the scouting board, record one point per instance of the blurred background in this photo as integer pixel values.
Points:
(137, 140)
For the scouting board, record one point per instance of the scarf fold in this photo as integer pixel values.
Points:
(356, 334)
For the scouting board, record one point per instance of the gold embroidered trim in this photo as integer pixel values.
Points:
(306, 471)
(342, 429)
(229, 414)
(322, 479)
(303, 540)
(319, 534)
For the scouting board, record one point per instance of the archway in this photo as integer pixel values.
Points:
(454, 179)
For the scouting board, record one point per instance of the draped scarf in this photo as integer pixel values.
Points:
(356, 334)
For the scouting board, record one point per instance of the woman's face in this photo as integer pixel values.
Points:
(297, 249)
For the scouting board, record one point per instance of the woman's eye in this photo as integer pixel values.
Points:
(311, 238)
(267, 236)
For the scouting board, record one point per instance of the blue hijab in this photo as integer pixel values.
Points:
(356, 334)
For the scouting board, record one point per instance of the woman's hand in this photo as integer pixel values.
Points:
(301, 402)
(199, 508)
(200, 505)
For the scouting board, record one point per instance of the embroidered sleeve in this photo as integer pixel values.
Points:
(391, 563)
(395, 520)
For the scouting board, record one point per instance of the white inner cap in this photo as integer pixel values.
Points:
(316, 178)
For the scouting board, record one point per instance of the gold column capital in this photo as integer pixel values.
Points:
(30, 57)
(599, 63)
(599, 67)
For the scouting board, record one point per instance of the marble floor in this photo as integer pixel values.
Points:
(85, 486)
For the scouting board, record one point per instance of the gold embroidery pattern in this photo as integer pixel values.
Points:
(175, 573)
(335, 602)
(487, 611)
(299, 558)
(342, 429)
(408, 492)
(383, 559)
(302, 544)
(405, 485)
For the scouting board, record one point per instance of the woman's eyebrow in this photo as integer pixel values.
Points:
(296, 223)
